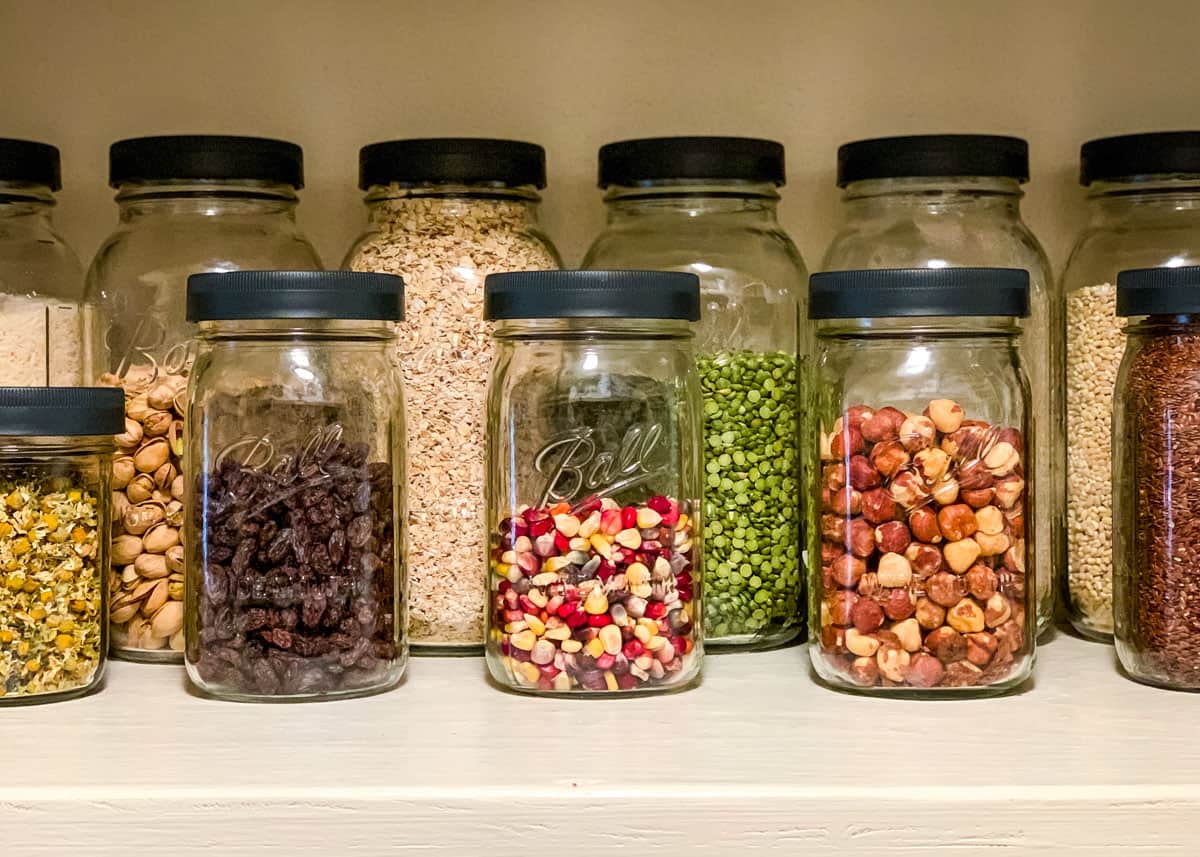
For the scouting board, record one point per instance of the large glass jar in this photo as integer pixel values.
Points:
(295, 467)
(42, 322)
(593, 487)
(921, 481)
(707, 205)
(1144, 211)
(187, 205)
(55, 450)
(444, 213)
(932, 201)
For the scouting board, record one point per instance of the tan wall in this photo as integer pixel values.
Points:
(572, 75)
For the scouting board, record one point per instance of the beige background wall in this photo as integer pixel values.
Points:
(572, 75)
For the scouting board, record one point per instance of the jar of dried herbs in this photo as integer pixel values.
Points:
(444, 213)
(55, 450)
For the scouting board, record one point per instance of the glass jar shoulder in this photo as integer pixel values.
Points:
(37, 261)
(1104, 250)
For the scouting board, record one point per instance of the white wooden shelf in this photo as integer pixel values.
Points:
(757, 760)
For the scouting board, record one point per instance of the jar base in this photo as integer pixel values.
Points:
(1020, 681)
(499, 683)
(148, 656)
(1092, 635)
(323, 696)
(733, 643)
(445, 650)
(94, 686)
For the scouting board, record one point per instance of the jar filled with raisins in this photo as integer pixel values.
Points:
(593, 482)
(295, 472)
(920, 480)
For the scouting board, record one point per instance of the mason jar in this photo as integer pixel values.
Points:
(295, 536)
(444, 213)
(932, 201)
(186, 205)
(42, 322)
(594, 481)
(920, 454)
(707, 206)
(55, 452)
(1143, 212)
(1156, 474)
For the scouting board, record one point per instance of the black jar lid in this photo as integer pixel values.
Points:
(1133, 155)
(632, 162)
(28, 162)
(933, 156)
(919, 292)
(1159, 291)
(61, 411)
(249, 295)
(592, 294)
(205, 157)
(452, 160)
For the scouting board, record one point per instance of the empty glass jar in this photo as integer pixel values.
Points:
(593, 487)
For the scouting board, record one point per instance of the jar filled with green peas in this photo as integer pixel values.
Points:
(707, 205)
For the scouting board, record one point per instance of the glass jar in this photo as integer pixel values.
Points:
(921, 482)
(594, 479)
(187, 205)
(1144, 211)
(933, 201)
(295, 462)
(42, 340)
(707, 205)
(55, 450)
(444, 213)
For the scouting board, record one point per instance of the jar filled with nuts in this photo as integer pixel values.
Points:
(937, 200)
(296, 523)
(922, 482)
(1144, 211)
(593, 485)
(55, 448)
(708, 206)
(187, 204)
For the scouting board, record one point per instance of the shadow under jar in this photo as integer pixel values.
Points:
(295, 466)
(593, 484)
(921, 482)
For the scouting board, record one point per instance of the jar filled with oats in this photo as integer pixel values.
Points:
(187, 204)
(1144, 201)
(444, 213)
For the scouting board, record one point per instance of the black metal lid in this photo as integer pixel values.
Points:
(205, 157)
(934, 156)
(1159, 291)
(29, 162)
(246, 295)
(919, 292)
(592, 294)
(631, 162)
(452, 160)
(61, 411)
(1133, 155)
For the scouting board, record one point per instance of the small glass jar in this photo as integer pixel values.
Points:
(938, 200)
(444, 213)
(187, 205)
(1144, 211)
(295, 465)
(594, 479)
(707, 206)
(55, 450)
(921, 481)
(1156, 478)
(42, 340)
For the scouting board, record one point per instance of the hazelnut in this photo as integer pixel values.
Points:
(863, 645)
(878, 506)
(847, 570)
(924, 525)
(892, 537)
(840, 606)
(991, 545)
(929, 615)
(957, 522)
(1012, 437)
(898, 605)
(868, 585)
(856, 415)
(908, 489)
(909, 634)
(917, 433)
(1009, 491)
(980, 648)
(977, 498)
(981, 582)
(831, 552)
(974, 475)
(860, 538)
(833, 528)
(826, 500)
(893, 662)
(966, 617)
(1014, 558)
(889, 457)
(1001, 459)
(925, 559)
(864, 671)
(962, 674)
(947, 415)
(944, 589)
(997, 612)
(966, 443)
(867, 615)
(932, 463)
(1016, 521)
(894, 570)
(862, 475)
(846, 443)
(945, 491)
(847, 502)
(1012, 635)
(925, 671)
(961, 555)
(883, 425)
(833, 476)
(833, 639)
(946, 644)
(989, 520)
